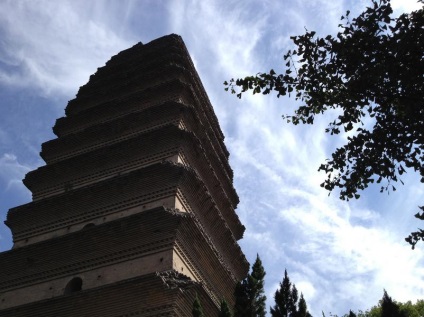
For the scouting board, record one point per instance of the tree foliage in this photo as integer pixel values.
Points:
(225, 310)
(372, 71)
(351, 314)
(302, 310)
(241, 295)
(249, 293)
(387, 307)
(287, 302)
(197, 310)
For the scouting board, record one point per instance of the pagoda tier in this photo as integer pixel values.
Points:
(136, 199)
(115, 89)
(155, 294)
(162, 184)
(130, 127)
(169, 91)
(116, 251)
(126, 62)
(169, 143)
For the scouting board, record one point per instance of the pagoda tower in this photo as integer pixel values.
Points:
(133, 213)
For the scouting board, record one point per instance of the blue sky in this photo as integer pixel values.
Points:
(340, 255)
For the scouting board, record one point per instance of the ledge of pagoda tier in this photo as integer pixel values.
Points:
(169, 143)
(116, 251)
(155, 294)
(169, 184)
(181, 59)
(111, 132)
(118, 89)
(145, 74)
(184, 100)
(83, 167)
(175, 90)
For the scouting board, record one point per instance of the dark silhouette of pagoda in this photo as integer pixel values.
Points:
(133, 213)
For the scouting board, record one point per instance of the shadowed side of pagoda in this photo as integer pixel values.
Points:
(135, 199)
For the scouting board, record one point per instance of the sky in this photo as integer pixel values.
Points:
(341, 255)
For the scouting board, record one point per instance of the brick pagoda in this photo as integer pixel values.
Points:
(133, 213)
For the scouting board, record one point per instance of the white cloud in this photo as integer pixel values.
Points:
(12, 172)
(51, 47)
(405, 5)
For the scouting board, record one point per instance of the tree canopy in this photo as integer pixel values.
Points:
(387, 307)
(372, 71)
(197, 310)
(249, 293)
(225, 310)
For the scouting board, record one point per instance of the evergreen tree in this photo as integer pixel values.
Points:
(249, 293)
(241, 299)
(303, 308)
(283, 302)
(225, 310)
(389, 308)
(197, 310)
(256, 289)
(351, 314)
(287, 303)
(294, 299)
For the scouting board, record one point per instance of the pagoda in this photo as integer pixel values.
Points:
(134, 212)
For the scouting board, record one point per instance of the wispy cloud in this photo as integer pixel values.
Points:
(11, 171)
(12, 191)
(53, 46)
(405, 5)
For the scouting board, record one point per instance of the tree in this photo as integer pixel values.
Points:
(241, 295)
(283, 299)
(225, 310)
(409, 310)
(389, 308)
(249, 293)
(303, 308)
(287, 303)
(197, 310)
(372, 71)
(351, 314)
(419, 306)
(256, 288)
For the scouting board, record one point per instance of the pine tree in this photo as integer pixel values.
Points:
(294, 299)
(283, 299)
(351, 314)
(241, 299)
(302, 310)
(256, 288)
(249, 293)
(389, 308)
(225, 310)
(287, 303)
(197, 310)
